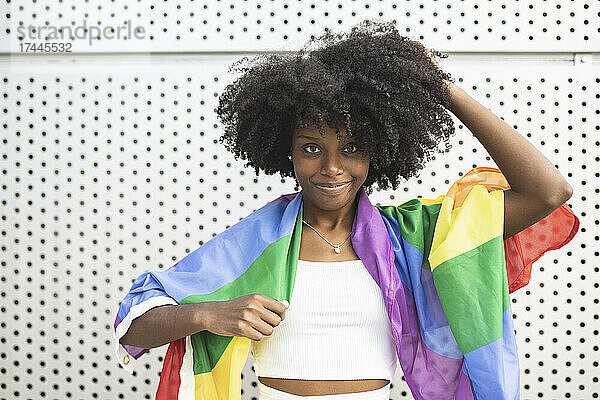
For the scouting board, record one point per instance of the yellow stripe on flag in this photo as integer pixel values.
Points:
(437, 200)
(224, 381)
(458, 230)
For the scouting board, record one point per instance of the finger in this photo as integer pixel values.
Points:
(273, 305)
(287, 305)
(270, 317)
(254, 334)
(262, 327)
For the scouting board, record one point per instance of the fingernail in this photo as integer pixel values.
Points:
(285, 303)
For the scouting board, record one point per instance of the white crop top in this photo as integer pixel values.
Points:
(336, 328)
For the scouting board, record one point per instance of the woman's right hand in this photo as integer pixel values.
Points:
(252, 316)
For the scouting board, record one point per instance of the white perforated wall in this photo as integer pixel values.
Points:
(167, 26)
(110, 167)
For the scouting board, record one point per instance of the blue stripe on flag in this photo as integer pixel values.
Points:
(494, 367)
(433, 325)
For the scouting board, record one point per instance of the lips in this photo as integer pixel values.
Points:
(332, 184)
(333, 188)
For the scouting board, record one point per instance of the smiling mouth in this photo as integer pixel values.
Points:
(334, 188)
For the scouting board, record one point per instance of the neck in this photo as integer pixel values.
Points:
(330, 220)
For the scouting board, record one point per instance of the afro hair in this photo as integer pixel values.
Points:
(386, 90)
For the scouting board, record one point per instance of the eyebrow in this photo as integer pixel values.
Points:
(314, 138)
(308, 137)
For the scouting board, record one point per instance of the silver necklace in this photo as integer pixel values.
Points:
(337, 249)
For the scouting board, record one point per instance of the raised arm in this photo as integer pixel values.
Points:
(536, 187)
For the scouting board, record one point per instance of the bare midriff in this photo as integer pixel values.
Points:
(303, 387)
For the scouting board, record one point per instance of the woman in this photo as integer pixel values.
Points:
(366, 286)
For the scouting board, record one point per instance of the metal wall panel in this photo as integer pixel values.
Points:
(222, 26)
(112, 169)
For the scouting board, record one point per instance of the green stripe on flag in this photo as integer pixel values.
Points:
(473, 290)
(417, 223)
(279, 259)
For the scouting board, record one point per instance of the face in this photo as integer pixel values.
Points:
(320, 160)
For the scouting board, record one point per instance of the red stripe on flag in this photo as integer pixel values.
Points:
(526, 247)
(170, 380)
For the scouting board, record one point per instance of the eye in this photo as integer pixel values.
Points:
(355, 148)
(310, 145)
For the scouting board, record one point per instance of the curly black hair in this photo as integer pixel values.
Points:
(385, 89)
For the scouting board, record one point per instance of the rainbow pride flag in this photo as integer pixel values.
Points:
(444, 270)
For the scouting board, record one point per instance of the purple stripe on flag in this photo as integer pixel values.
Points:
(371, 241)
(135, 352)
(464, 390)
(117, 321)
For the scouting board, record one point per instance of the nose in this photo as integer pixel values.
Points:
(332, 165)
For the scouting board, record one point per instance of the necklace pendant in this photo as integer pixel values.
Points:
(337, 250)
